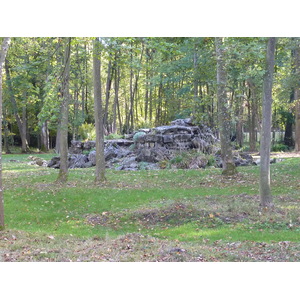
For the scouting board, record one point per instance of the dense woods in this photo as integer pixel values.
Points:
(145, 82)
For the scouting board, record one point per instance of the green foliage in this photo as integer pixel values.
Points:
(186, 159)
(186, 113)
(113, 136)
(138, 135)
(87, 152)
(279, 147)
(87, 132)
(132, 147)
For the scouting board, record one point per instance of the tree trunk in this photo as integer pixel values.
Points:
(4, 49)
(45, 137)
(288, 133)
(63, 171)
(110, 71)
(265, 141)
(6, 132)
(240, 122)
(20, 122)
(100, 161)
(117, 82)
(252, 115)
(228, 164)
(296, 62)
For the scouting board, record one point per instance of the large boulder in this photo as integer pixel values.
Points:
(77, 161)
(54, 162)
(76, 147)
(152, 155)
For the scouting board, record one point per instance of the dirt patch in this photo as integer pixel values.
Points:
(175, 214)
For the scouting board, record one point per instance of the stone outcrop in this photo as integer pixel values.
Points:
(147, 148)
(181, 135)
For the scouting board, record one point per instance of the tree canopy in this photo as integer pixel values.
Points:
(146, 82)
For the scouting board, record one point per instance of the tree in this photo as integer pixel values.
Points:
(21, 121)
(63, 171)
(296, 63)
(265, 142)
(100, 161)
(4, 49)
(228, 164)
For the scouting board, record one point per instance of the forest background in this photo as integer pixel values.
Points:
(146, 82)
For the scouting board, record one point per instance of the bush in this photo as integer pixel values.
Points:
(87, 152)
(113, 136)
(279, 147)
(192, 159)
(138, 135)
(87, 132)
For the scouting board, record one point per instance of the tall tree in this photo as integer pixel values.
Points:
(4, 49)
(100, 161)
(296, 63)
(63, 171)
(21, 121)
(228, 164)
(265, 142)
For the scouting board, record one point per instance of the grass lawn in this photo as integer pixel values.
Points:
(161, 215)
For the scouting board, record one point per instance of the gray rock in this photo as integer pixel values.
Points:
(92, 157)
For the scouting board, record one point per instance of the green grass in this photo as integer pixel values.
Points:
(189, 206)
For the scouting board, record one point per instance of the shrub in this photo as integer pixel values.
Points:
(113, 136)
(190, 159)
(279, 147)
(87, 132)
(138, 135)
(87, 152)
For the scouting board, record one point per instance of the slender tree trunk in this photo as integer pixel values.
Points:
(100, 161)
(45, 137)
(110, 71)
(150, 105)
(265, 141)
(57, 139)
(117, 81)
(288, 133)
(6, 132)
(4, 49)
(240, 122)
(296, 62)
(20, 121)
(63, 171)
(228, 164)
(196, 83)
(252, 115)
(24, 135)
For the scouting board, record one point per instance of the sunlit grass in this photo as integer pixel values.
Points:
(35, 203)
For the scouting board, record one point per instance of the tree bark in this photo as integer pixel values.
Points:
(100, 161)
(265, 141)
(288, 133)
(252, 115)
(45, 137)
(4, 49)
(63, 171)
(116, 100)
(296, 62)
(228, 164)
(20, 121)
(110, 74)
(6, 132)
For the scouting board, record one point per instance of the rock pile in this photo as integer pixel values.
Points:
(148, 147)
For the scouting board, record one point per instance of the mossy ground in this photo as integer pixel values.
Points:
(147, 215)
